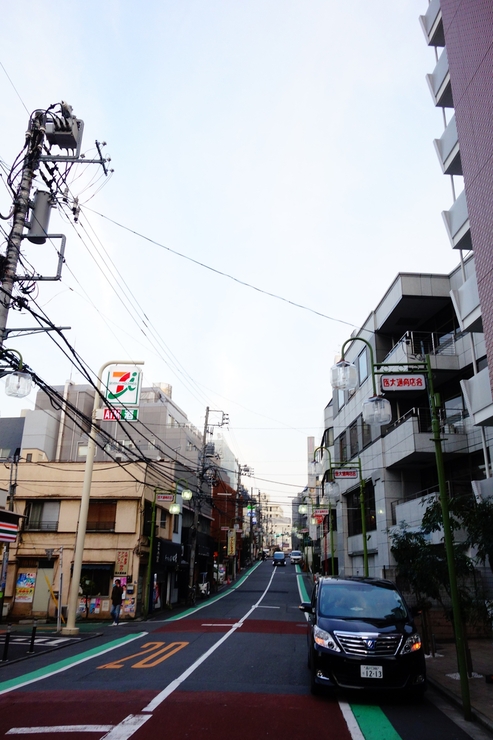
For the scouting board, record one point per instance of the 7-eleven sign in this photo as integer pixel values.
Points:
(123, 386)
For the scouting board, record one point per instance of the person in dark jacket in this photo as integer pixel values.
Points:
(116, 602)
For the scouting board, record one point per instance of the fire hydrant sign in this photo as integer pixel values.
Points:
(123, 386)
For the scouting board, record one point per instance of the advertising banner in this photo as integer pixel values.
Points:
(24, 588)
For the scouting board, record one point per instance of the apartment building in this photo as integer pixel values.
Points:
(446, 317)
(460, 33)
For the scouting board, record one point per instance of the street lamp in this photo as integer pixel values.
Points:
(18, 384)
(417, 375)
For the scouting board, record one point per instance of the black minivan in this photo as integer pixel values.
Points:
(361, 635)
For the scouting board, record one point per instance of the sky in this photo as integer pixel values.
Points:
(274, 171)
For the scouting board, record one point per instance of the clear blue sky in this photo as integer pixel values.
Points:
(287, 143)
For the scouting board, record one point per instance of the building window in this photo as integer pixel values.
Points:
(363, 366)
(341, 399)
(365, 433)
(43, 516)
(29, 457)
(162, 520)
(328, 438)
(353, 440)
(98, 577)
(101, 516)
(341, 445)
(354, 510)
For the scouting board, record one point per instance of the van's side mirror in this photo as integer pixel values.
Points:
(306, 606)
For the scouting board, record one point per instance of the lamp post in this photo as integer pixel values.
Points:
(327, 501)
(377, 411)
(70, 628)
(334, 491)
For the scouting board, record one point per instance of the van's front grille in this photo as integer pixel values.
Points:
(369, 643)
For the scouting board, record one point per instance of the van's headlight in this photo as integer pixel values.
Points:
(412, 644)
(325, 639)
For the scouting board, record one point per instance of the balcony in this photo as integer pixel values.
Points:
(466, 305)
(478, 399)
(432, 24)
(413, 346)
(447, 149)
(408, 440)
(457, 224)
(439, 83)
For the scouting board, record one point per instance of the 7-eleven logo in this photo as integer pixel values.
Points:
(123, 387)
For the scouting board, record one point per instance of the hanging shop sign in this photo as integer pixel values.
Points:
(408, 382)
(346, 473)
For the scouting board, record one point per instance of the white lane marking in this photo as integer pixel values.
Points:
(174, 684)
(266, 607)
(58, 728)
(127, 727)
(218, 625)
(351, 722)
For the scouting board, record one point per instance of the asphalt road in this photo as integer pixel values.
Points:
(233, 668)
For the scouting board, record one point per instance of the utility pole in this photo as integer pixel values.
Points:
(194, 528)
(46, 128)
(14, 467)
(198, 502)
(34, 142)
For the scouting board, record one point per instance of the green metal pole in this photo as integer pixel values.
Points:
(372, 358)
(449, 548)
(363, 519)
(151, 550)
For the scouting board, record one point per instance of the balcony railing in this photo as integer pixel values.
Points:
(101, 526)
(452, 421)
(418, 344)
(455, 489)
(44, 526)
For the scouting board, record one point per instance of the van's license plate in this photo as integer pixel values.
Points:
(371, 671)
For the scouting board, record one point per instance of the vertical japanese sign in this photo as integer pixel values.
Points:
(123, 386)
(121, 564)
(231, 542)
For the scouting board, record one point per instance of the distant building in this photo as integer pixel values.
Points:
(161, 452)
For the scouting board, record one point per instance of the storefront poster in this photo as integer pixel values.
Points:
(24, 588)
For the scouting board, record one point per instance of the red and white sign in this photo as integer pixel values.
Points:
(319, 519)
(122, 561)
(224, 529)
(320, 512)
(415, 382)
(347, 473)
(165, 498)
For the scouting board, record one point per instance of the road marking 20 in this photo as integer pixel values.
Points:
(155, 652)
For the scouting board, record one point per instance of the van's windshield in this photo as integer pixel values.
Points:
(360, 601)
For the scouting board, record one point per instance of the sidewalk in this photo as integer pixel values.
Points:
(443, 676)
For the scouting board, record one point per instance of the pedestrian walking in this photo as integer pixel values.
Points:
(116, 602)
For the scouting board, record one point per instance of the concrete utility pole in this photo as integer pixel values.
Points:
(197, 504)
(35, 136)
